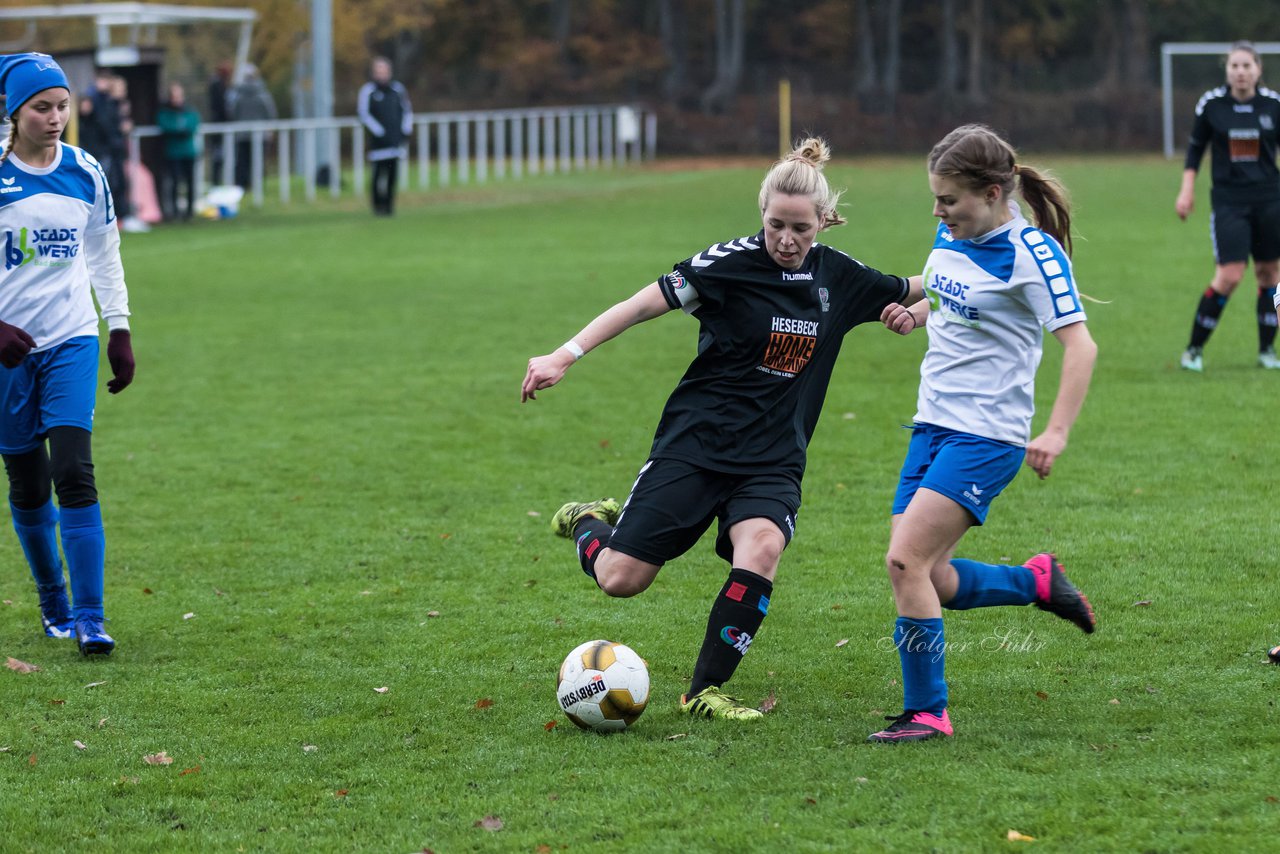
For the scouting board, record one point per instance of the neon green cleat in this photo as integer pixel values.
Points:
(567, 517)
(711, 702)
(1193, 359)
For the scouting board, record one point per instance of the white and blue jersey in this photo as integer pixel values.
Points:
(59, 241)
(990, 298)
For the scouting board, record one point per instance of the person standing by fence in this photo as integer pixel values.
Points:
(179, 123)
(249, 101)
(384, 110)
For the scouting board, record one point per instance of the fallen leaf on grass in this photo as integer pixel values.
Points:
(1113, 702)
(859, 779)
(366, 592)
(810, 801)
(19, 666)
(841, 642)
(384, 689)
(1142, 603)
(31, 760)
(57, 702)
(769, 702)
(433, 613)
(188, 615)
(95, 685)
(542, 849)
(1015, 836)
(341, 793)
(837, 607)
(549, 725)
(1042, 695)
(1271, 799)
(80, 745)
(490, 822)
(161, 758)
(8, 601)
(146, 591)
(446, 536)
(484, 703)
(5, 749)
(309, 748)
(217, 592)
(534, 513)
(102, 723)
(185, 771)
(677, 736)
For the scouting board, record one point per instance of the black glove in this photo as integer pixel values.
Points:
(120, 356)
(15, 344)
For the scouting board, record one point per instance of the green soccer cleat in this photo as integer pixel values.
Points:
(711, 702)
(1193, 359)
(567, 517)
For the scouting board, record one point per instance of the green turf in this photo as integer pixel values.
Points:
(323, 461)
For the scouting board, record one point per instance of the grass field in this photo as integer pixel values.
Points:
(322, 485)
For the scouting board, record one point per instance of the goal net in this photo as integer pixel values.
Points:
(1187, 71)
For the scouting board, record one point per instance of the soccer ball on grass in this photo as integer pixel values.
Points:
(603, 686)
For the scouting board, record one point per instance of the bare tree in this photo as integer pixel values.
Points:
(977, 22)
(949, 76)
(675, 43)
(730, 18)
(867, 79)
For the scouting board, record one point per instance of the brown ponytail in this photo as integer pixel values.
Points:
(13, 137)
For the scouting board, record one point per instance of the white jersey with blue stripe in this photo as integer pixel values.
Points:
(989, 300)
(60, 241)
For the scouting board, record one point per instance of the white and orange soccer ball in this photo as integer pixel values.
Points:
(603, 686)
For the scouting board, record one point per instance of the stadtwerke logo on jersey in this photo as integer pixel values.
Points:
(46, 247)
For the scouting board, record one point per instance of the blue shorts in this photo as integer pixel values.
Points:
(970, 470)
(53, 388)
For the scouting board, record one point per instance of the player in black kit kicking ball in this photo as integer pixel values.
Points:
(773, 309)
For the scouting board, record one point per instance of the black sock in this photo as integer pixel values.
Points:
(590, 536)
(735, 618)
(1207, 314)
(1266, 318)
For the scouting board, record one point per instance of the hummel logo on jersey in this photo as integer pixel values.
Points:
(720, 250)
(794, 277)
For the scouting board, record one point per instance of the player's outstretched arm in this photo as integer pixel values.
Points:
(1186, 194)
(546, 371)
(1078, 356)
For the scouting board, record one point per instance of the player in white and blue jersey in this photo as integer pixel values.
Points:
(61, 248)
(992, 283)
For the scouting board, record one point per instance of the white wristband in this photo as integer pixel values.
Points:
(573, 348)
(1277, 299)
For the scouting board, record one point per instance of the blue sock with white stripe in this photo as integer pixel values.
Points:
(38, 533)
(983, 585)
(920, 647)
(85, 545)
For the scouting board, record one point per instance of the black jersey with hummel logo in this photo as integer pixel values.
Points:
(767, 344)
(1243, 136)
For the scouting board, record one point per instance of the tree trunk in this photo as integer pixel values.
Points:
(949, 79)
(977, 21)
(672, 32)
(730, 19)
(893, 54)
(1138, 72)
(866, 75)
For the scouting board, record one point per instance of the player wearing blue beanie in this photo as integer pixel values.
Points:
(61, 248)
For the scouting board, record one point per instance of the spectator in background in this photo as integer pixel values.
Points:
(383, 108)
(219, 90)
(105, 124)
(179, 123)
(249, 101)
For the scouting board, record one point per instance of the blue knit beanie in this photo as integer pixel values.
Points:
(24, 74)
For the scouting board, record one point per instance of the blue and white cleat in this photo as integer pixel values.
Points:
(55, 613)
(92, 637)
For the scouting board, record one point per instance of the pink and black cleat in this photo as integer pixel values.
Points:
(1057, 595)
(913, 726)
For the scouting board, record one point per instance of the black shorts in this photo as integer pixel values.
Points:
(1245, 230)
(673, 503)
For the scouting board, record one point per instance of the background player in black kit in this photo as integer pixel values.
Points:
(1239, 121)
(773, 309)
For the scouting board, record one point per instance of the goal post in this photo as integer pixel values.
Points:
(1168, 51)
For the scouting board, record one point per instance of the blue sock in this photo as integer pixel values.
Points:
(920, 646)
(984, 584)
(38, 533)
(85, 546)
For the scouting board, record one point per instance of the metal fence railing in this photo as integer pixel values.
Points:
(446, 148)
